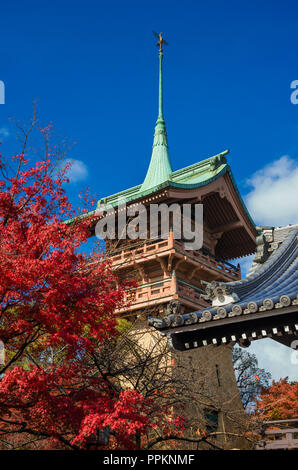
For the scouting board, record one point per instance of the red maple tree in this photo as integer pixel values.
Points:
(57, 305)
(279, 401)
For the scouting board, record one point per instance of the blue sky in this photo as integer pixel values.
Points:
(92, 66)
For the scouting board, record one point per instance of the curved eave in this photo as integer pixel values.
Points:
(225, 169)
(210, 166)
(134, 194)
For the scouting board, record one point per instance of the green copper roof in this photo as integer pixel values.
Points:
(160, 174)
(160, 166)
(192, 176)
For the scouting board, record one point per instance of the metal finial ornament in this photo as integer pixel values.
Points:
(161, 40)
(160, 167)
(160, 43)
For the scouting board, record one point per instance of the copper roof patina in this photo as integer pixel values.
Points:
(160, 174)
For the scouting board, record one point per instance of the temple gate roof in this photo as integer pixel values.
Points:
(270, 289)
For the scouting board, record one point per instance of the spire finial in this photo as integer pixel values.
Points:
(160, 167)
(160, 43)
(161, 40)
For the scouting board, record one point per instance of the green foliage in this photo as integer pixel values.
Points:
(123, 325)
(249, 377)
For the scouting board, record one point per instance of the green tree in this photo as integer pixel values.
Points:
(250, 378)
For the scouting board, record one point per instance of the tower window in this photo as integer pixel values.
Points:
(217, 374)
(211, 420)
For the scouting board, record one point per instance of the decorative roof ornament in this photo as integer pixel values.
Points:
(263, 244)
(267, 304)
(219, 293)
(268, 241)
(160, 167)
(173, 307)
(161, 40)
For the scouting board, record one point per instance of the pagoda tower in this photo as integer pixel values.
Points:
(167, 274)
(164, 269)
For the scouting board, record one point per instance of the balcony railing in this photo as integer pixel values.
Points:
(284, 435)
(151, 247)
(148, 294)
(189, 291)
(207, 258)
(145, 249)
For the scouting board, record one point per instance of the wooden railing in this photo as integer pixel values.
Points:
(146, 293)
(282, 435)
(210, 260)
(144, 250)
(189, 292)
(152, 247)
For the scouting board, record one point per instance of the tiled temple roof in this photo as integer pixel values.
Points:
(194, 176)
(272, 285)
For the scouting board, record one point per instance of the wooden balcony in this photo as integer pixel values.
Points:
(150, 249)
(190, 293)
(149, 295)
(141, 252)
(207, 259)
(161, 292)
